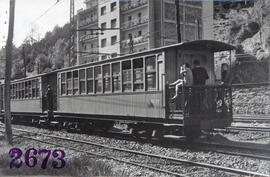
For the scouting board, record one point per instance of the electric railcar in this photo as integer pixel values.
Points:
(131, 89)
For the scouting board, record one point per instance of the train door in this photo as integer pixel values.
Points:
(161, 77)
(49, 80)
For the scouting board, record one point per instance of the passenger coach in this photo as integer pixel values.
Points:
(133, 89)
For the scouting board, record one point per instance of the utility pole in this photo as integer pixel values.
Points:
(72, 33)
(8, 71)
(178, 28)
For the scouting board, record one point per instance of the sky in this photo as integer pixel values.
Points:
(39, 15)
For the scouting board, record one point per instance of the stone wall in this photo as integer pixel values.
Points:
(252, 100)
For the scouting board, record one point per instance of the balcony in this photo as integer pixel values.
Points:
(133, 5)
(88, 37)
(136, 41)
(130, 24)
(88, 21)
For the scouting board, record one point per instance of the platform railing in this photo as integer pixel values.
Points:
(205, 102)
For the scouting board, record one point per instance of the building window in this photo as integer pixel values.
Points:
(103, 42)
(129, 18)
(116, 77)
(90, 80)
(103, 57)
(114, 55)
(106, 78)
(139, 33)
(113, 23)
(103, 10)
(113, 6)
(103, 25)
(113, 40)
(139, 17)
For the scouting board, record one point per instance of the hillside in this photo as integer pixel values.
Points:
(42, 56)
(247, 27)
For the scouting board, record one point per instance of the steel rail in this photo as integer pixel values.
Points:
(197, 144)
(256, 129)
(206, 165)
(248, 148)
(251, 120)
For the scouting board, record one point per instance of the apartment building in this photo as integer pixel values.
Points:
(139, 25)
(87, 40)
(109, 20)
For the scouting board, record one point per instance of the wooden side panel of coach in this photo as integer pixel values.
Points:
(25, 96)
(129, 87)
(130, 105)
(1, 98)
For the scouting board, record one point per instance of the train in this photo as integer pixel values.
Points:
(132, 90)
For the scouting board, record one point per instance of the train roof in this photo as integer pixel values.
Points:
(208, 45)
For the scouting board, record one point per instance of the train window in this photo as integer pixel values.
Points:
(75, 82)
(90, 80)
(34, 85)
(11, 91)
(16, 92)
(38, 88)
(82, 81)
(63, 83)
(138, 74)
(26, 89)
(98, 79)
(106, 78)
(69, 83)
(29, 89)
(23, 93)
(150, 63)
(20, 90)
(116, 77)
(126, 69)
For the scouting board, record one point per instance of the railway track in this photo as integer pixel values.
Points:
(251, 118)
(146, 160)
(244, 128)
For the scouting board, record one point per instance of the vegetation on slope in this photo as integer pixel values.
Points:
(245, 26)
(48, 54)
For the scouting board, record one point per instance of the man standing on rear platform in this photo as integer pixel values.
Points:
(199, 74)
(199, 78)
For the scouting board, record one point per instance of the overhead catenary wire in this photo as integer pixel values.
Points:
(45, 12)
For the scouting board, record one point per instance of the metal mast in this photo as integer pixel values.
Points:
(72, 34)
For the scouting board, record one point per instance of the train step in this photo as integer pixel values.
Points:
(176, 112)
(173, 125)
(174, 137)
